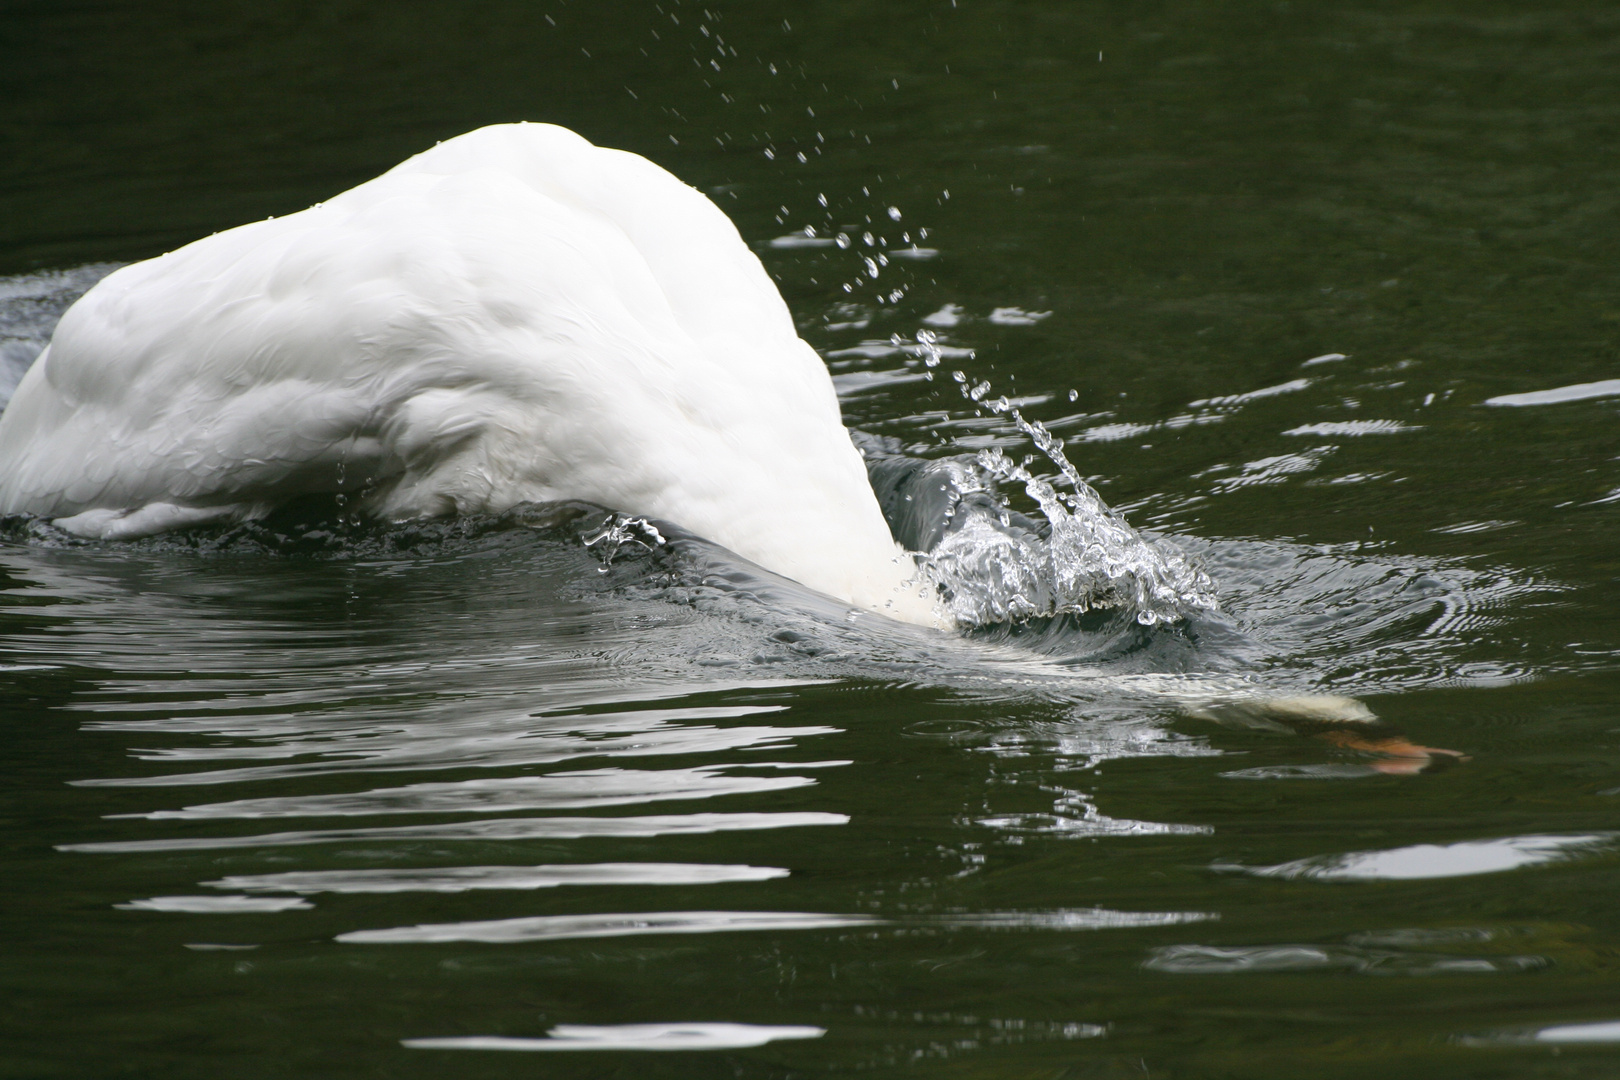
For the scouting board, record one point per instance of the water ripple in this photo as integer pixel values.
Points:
(549, 828)
(585, 787)
(684, 1036)
(457, 879)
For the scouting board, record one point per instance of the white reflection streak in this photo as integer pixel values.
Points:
(565, 927)
(1559, 395)
(1605, 1031)
(551, 828)
(1596, 1032)
(217, 905)
(456, 879)
(1421, 861)
(568, 927)
(399, 751)
(629, 1037)
(585, 787)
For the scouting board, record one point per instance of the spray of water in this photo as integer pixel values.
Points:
(991, 565)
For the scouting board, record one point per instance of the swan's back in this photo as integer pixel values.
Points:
(513, 316)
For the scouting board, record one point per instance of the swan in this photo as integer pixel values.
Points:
(515, 315)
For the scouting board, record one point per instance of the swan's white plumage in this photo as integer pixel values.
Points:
(513, 316)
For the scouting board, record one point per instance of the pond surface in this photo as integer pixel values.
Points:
(1327, 296)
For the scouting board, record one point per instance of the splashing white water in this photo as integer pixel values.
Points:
(989, 569)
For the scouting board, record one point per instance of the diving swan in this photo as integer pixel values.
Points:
(513, 316)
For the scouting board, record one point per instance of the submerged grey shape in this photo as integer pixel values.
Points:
(1242, 959)
(1331, 771)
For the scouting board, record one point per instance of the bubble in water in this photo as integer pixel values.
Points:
(894, 213)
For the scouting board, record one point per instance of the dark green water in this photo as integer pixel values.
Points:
(1011, 855)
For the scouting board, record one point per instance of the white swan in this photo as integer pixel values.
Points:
(513, 316)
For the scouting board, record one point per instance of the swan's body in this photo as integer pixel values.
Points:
(513, 316)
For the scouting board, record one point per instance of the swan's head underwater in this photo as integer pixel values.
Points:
(514, 316)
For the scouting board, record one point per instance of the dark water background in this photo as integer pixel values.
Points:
(698, 797)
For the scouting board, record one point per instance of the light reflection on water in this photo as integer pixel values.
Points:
(1422, 861)
(455, 879)
(629, 1037)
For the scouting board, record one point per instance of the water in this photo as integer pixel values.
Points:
(1334, 292)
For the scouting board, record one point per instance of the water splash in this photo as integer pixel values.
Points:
(619, 530)
(993, 565)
